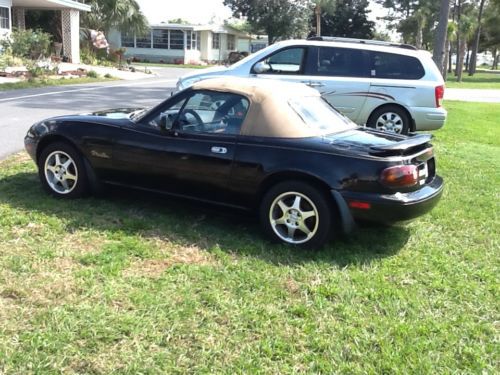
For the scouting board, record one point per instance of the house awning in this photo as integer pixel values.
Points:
(51, 4)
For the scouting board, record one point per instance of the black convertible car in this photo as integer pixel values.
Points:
(277, 148)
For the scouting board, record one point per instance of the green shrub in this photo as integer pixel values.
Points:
(92, 74)
(27, 43)
(107, 75)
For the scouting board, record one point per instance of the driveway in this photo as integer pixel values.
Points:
(473, 95)
(21, 108)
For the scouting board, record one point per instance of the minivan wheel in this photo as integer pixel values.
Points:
(390, 119)
(296, 213)
(61, 171)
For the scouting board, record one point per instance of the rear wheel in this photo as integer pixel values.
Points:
(61, 171)
(390, 118)
(296, 213)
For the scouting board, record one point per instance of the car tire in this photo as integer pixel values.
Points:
(391, 118)
(296, 213)
(62, 171)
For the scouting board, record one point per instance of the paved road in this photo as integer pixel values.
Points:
(19, 109)
(473, 95)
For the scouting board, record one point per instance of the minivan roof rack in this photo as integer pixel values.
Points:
(361, 41)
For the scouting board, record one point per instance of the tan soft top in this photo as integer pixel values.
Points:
(269, 114)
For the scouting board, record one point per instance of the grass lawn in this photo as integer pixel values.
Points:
(480, 80)
(137, 284)
(185, 66)
(42, 82)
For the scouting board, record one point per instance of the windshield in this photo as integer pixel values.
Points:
(137, 115)
(320, 116)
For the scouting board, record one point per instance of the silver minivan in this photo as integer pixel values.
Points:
(391, 87)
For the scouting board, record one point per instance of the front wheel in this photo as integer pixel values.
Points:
(61, 171)
(390, 119)
(296, 213)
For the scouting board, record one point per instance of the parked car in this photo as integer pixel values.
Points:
(386, 86)
(273, 147)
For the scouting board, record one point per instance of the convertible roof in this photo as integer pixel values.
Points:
(269, 114)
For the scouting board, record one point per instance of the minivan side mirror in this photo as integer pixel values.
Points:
(261, 67)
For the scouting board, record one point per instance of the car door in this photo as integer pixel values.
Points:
(341, 76)
(191, 146)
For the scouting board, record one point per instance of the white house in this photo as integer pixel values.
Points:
(182, 44)
(12, 14)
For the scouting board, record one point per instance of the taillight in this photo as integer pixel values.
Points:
(439, 92)
(400, 176)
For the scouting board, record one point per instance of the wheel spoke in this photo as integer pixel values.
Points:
(308, 214)
(58, 159)
(284, 208)
(280, 221)
(51, 168)
(65, 185)
(303, 228)
(296, 203)
(69, 176)
(291, 232)
(67, 163)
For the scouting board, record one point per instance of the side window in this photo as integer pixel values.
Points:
(287, 61)
(336, 62)
(393, 66)
(213, 112)
(167, 115)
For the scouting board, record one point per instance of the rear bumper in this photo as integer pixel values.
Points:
(395, 207)
(428, 118)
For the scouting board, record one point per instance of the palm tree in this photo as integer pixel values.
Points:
(321, 6)
(440, 39)
(124, 15)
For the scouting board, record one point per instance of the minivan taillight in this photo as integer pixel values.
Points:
(439, 92)
(400, 176)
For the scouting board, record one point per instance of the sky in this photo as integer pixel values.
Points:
(202, 11)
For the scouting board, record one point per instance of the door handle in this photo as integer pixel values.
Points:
(218, 150)
(315, 84)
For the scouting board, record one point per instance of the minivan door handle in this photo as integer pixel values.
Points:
(315, 84)
(218, 150)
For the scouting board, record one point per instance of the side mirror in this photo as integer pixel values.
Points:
(261, 67)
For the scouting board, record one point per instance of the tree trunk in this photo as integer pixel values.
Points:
(460, 59)
(317, 10)
(495, 59)
(459, 8)
(419, 38)
(440, 39)
(475, 46)
(467, 56)
(450, 53)
(446, 59)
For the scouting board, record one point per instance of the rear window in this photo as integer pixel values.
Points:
(320, 116)
(393, 66)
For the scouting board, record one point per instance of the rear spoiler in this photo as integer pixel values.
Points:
(403, 146)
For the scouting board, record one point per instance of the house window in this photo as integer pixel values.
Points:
(231, 43)
(193, 40)
(4, 18)
(176, 39)
(160, 38)
(215, 41)
(144, 41)
(128, 40)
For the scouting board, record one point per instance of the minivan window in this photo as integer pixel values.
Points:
(393, 66)
(336, 62)
(287, 61)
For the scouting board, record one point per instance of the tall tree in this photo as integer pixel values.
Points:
(441, 36)
(465, 30)
(321, 7)
(475, 45)
(276, 18)
(350, 20)
(124, 15)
